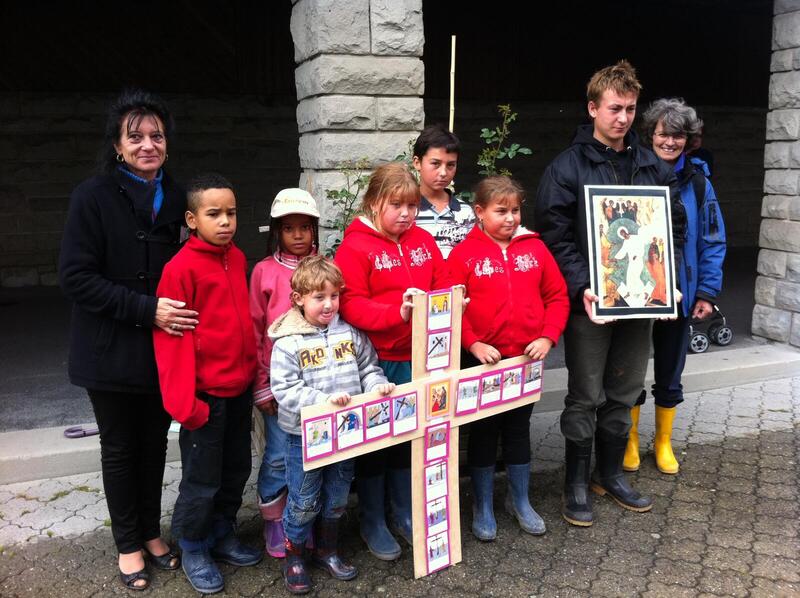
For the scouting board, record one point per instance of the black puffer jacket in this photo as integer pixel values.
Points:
(560, 209)
(111, 260)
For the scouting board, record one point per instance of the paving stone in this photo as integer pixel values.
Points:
(681, 550)
(657, 589)
(773, 587)
(775, 567)
(725, 583)
(613, 584)
(728, 558)
(730, 538)
(776, 546)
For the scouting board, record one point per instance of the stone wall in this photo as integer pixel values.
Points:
(48, 143)
(776, 315)
(359, 81)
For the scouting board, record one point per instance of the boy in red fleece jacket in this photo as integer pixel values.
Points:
(205, 376)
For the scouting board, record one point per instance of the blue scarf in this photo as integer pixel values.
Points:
(158, 199)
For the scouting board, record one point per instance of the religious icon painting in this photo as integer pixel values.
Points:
(491, 384)
(436, 480)
(317, 437)
(531, 377)
(438, 399)
(438, 356)
(349, 427)
(438, 551)
(437, 441)
(467, 395)
(436, 516)
(378, 418)
(630, 240)
(404, 414)
(440, 313)
(512, 384)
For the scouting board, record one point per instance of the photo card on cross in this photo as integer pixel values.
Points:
(436, 441)
(491, 385)
(378, 416)
(318, 437)
(440, 314)
(438, 399)
(467, 395)
(404, 414)
(349, 427)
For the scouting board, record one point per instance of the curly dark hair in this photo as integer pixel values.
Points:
(132, 105)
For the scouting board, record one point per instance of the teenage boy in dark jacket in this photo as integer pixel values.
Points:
(606, 361)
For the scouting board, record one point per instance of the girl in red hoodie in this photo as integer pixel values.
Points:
(518, 304)
(386, 259)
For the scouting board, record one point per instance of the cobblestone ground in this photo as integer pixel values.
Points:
(727, 525)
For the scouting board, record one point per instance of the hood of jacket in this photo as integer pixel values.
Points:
(293, 322)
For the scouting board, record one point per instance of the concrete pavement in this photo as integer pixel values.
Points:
(727, 525)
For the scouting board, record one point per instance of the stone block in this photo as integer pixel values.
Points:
(782, 6)
(794, 335)
(329, 27)
(400, 114)
(19, 277)
(396, 27)
(318, 183)
(360, 75)
(786, 31)
(782, 60)
(330, 149)
(784, 90)
(782, 182)
(783, 235)
(772, 263)
(776, 154)
(793, 267)
(337, 112)
(783, 124)
(48, 279)
(787, 295)
(766, 290)
(771, 323)
(776, 206)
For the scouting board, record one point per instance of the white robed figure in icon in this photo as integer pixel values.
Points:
(633, 291)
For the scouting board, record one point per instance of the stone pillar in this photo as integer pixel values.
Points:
(776, 315)
(360, 80)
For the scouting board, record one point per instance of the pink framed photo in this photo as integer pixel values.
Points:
(317, 437)
(467, 395)
(349, 427)
(437, 516)
(438, 551)
(437, 442)
(404, 414)
(491, 385)
(438, 356)
(435, 480)
(512, 384)
(378, 418)
(439, 398)
(440, 309)
(532, 377)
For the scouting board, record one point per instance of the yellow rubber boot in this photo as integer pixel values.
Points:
(665, 458)
(631, 460)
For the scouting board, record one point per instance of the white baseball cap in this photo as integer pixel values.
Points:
(294, 201)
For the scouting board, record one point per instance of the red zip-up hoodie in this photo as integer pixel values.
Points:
(219, 356)
(377, 271)
(516, 295)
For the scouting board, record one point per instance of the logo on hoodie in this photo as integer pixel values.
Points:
(525, 262)
(419, 256)
(384, 262)
(487, 267)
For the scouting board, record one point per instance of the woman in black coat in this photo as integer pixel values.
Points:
(123, 226)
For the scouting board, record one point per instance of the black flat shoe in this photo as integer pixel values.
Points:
(170, 561)
(129, 580)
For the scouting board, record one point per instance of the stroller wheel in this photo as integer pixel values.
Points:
(722, 335)
(698, 342)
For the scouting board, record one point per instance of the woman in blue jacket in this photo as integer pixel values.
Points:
(671, 124)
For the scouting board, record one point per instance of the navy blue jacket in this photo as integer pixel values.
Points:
(112, 255)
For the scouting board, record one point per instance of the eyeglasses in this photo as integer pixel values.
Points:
(674, 136)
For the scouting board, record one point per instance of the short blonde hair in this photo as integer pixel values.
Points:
(388, 181)
(620, 77)
(313, 272)
(497, 188)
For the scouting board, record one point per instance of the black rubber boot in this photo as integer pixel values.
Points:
(325, 555)
(295, 574)
(609, 478)
(577, 503)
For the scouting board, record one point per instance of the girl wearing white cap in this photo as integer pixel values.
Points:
(293, 235)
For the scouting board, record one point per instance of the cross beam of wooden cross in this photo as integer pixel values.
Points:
(320, 449)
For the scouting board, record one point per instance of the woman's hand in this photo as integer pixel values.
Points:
(702, 309)
(408, 303)
(539, 348)
(465, 299)
(172, 319)
(484, 353)
(339, 398)
(385, 389)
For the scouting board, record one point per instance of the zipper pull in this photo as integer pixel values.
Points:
(400, 249)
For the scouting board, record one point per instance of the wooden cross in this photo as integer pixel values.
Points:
(431, 547)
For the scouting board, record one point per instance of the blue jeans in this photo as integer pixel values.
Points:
(322, 490)
(272, 475)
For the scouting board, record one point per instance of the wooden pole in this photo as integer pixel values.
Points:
(452, 81)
